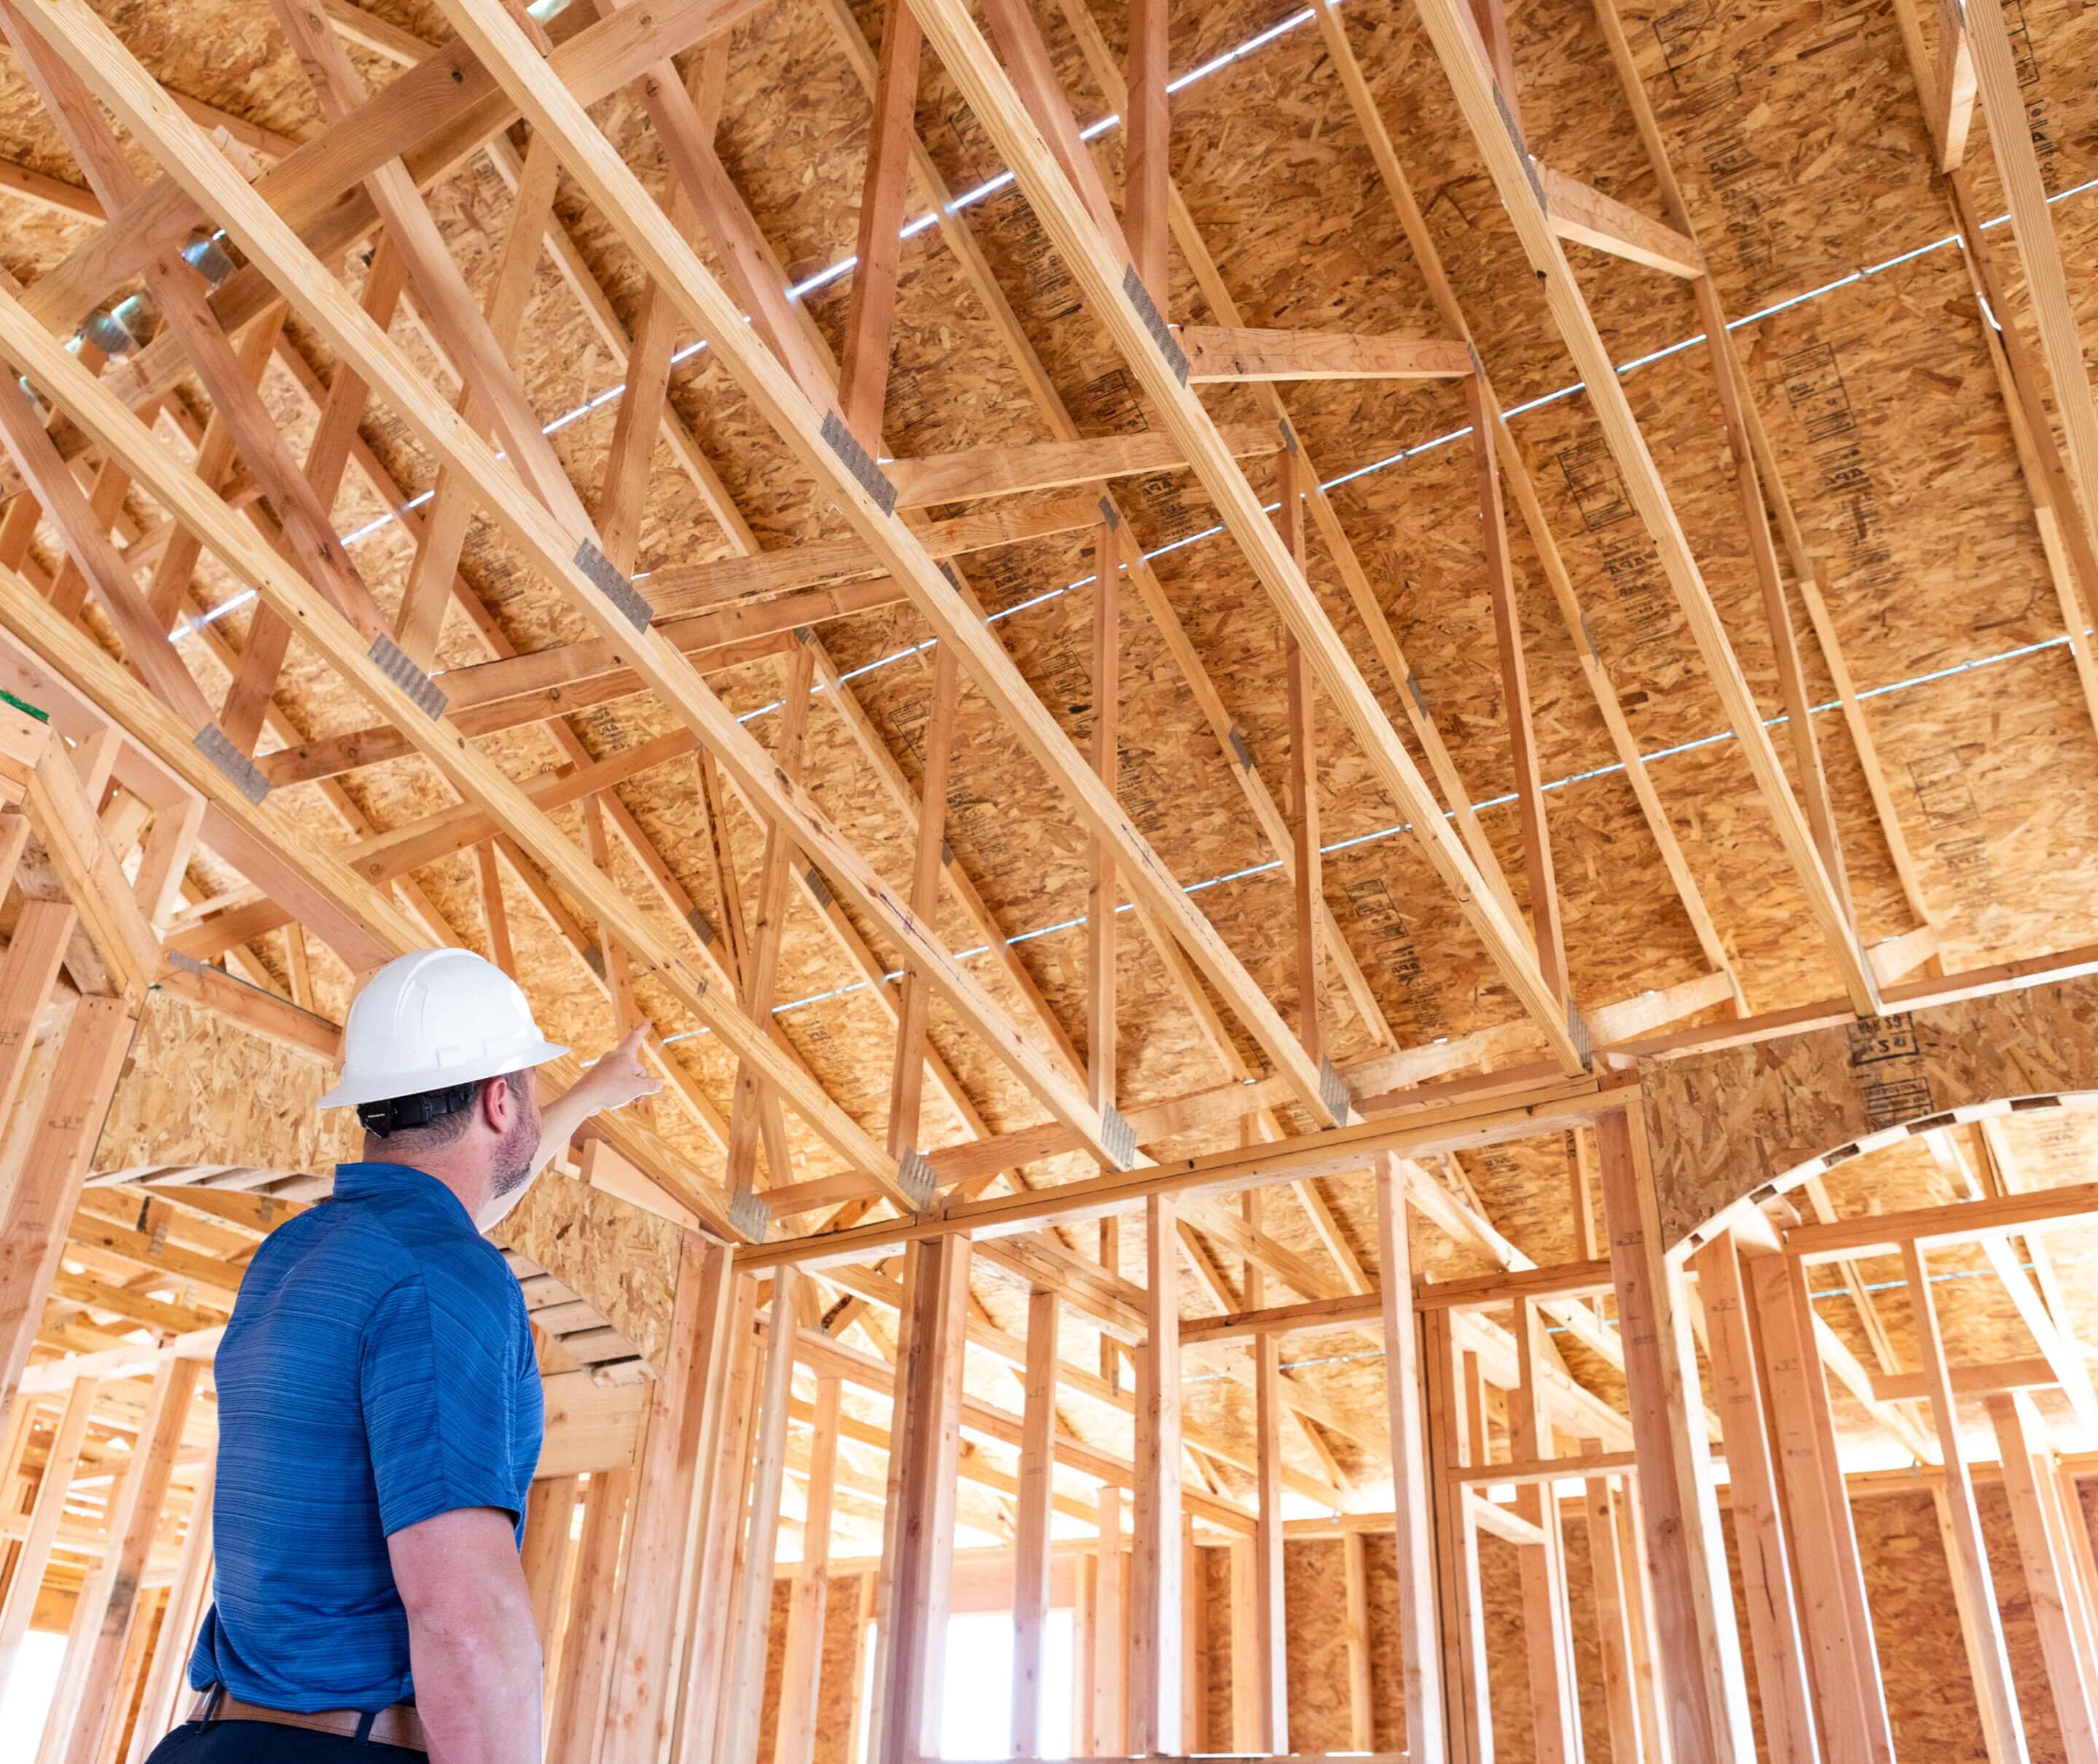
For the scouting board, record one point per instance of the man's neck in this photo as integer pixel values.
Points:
(469, 1186)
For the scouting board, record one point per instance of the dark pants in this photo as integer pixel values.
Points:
(264, 1742)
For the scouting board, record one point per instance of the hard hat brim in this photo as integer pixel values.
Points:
(381, 1086)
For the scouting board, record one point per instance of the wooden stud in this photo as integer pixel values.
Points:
(1707, 1698)
(1108, 1716)
(112, 1597)
(718, 1506)
(27, 1578)
(545, 1551)
(1355, 1568)
(1613, 1630)
(1554, 1690)
(1754, 1497)
(910, 1616)
(682, 1417)
(801, 1668)
(745, 1682)
(573, 1723)
(1418, 1527)
(161, 1700)
(1969, 1556)
(2021, 1449)
(1154, 1701)
(1031, 1522)
(1270, 1626)
(49, 1154)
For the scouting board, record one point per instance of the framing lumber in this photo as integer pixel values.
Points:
(1220, 352)
(1707, 1700)
(1472, 84)
(1586, 216)
(1099, 266)
(554, 107)
(1994, 1688)
(1412, 1478)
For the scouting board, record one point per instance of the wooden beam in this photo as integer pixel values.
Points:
(53, 195)
(1952, 1221)
(1222, 353)
(1584, 214)
(985, 471)
(1541, 1106)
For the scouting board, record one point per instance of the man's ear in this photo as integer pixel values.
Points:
(497, 1103)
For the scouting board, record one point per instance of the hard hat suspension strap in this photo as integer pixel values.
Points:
(399, 1114)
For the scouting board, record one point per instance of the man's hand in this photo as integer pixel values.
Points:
(615, 1081)
(618, 1078)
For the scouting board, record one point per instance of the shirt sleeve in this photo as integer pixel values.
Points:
(438, 1395)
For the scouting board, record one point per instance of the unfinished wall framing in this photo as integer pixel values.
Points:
(1346, 756)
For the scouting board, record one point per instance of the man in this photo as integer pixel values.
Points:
(379, 1406)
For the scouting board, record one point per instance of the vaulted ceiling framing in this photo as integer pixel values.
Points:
(545, 566)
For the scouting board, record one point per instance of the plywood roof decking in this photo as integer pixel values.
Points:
(1805, 160)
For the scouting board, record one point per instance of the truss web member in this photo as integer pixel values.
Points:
(378, 1407)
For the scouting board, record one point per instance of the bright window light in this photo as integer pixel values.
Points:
(26, 1698)
(976, 1720)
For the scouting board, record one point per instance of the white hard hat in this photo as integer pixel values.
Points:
(436, 1018)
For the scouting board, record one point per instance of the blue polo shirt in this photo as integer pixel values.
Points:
(378, 1371)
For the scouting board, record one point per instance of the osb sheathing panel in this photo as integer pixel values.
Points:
(1724, 1123)
(199, 1089)
(1922, 1658)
